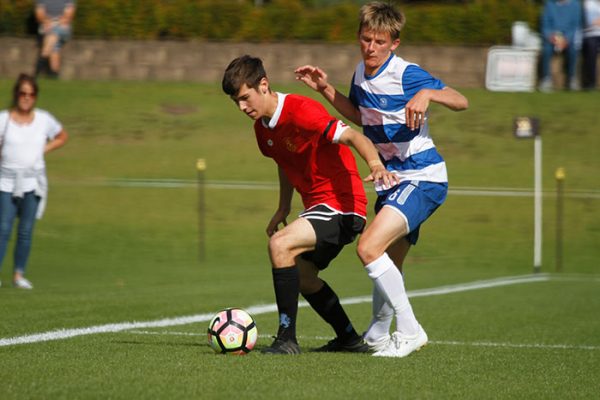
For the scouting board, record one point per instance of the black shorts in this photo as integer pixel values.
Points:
(334, 230)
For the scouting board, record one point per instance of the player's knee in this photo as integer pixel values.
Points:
(366, 252)
(276, 242)
(279, 250)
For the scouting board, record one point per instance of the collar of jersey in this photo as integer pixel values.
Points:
(275, 118)
(383, 67)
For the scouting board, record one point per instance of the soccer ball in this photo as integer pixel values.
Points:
(232, 331)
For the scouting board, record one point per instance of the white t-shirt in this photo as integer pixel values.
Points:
(592, 13)
(23, 145)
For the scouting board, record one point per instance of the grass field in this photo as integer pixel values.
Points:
(117, 254)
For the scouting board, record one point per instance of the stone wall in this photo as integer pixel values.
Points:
(204, 61)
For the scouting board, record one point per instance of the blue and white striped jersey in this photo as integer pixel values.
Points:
(381, 100)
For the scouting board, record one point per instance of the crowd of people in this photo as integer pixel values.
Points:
(570, 28)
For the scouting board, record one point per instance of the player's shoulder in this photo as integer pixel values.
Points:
(298, 101)
(399, 65)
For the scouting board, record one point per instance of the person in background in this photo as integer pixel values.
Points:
(26, 134)
(54, 18)
(561, 22)
(390, 99)
(591, 42)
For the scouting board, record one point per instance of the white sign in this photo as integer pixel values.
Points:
(511, 69)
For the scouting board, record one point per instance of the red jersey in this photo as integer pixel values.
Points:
(302, 139)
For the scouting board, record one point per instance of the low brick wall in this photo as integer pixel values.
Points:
(204, 61)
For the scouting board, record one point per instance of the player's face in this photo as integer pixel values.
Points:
(252, 101)
(375, 48)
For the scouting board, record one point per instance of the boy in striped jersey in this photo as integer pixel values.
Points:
(389, 97)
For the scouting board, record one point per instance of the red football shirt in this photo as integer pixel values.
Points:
(302, 139)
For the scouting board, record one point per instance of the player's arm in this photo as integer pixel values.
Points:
(316, 79)
(418, 105)
(286, 191)
(367, 151)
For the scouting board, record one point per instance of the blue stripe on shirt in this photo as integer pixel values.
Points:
(416, 161)
(379, 101)
(389, 133)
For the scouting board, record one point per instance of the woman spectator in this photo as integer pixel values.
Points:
(26, 134)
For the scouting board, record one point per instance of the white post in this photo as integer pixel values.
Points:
(537, 239)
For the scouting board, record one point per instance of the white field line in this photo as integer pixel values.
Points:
(436, 342)
(254, 310)
(256, 185)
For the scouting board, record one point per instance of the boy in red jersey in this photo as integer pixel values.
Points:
(307, 144)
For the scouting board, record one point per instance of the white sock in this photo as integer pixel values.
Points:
(383, 314)
(390, 283)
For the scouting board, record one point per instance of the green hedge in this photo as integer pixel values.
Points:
(471, 22)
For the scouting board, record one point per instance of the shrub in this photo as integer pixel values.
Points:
(481, 22)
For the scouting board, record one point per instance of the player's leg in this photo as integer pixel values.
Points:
(389, 282)
(408, 206)
(326, 303)
(378, 333)
(388, 227)
(284, 246)
(333, 231)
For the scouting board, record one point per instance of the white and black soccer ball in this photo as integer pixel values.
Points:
(232, 331)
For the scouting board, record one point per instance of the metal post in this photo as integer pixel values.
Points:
(200, 168)
(560, 177)
(528, 128)
(537, 239)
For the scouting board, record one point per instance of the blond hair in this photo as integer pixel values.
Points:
(381, 17)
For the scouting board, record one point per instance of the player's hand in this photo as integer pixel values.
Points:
(382, 177)
(314, 77)
(278, 219)
(416, 108)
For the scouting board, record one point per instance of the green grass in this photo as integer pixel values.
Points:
(108, 254)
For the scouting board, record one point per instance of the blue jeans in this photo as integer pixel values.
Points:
(570, 53)
(25, 208)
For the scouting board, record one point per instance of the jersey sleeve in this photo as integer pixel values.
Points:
(315, 120)
(416, 78)
(352, 95)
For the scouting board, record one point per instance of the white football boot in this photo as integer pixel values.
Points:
(402, 345)
(379, 344)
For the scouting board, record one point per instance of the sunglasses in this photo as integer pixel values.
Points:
(27, 94)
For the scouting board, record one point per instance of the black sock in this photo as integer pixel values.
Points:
(287, 288)
(326, 303)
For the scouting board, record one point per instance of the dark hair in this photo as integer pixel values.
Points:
(243, 70)
(23, 78)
